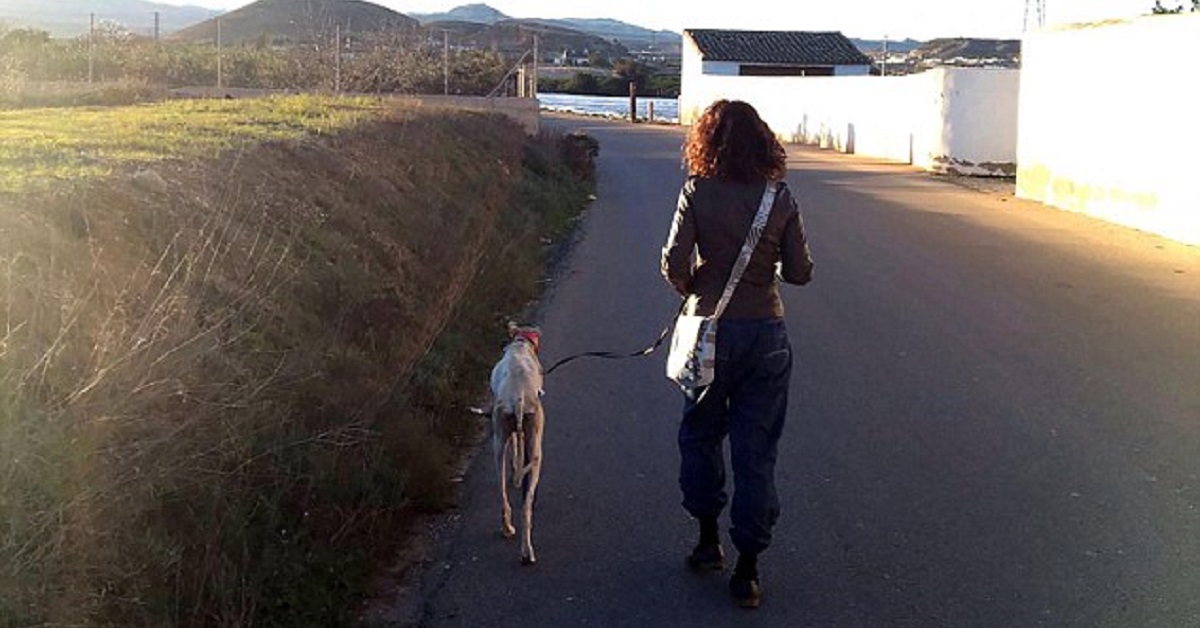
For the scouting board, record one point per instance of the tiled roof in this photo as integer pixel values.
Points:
(777, 47)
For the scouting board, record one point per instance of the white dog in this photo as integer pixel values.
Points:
(517, 423)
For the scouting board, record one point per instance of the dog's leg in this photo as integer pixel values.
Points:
(535, 426)
(500, 440)
(518, 449)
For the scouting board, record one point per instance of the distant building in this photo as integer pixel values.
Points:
(771, 53)
(712, 56)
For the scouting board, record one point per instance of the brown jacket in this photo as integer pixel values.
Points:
(712, 219)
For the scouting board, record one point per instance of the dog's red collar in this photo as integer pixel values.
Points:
(532, 337)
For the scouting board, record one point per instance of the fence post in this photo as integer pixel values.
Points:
(632, 101)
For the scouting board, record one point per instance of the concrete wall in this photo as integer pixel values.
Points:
(961, 120)
(1108, 122)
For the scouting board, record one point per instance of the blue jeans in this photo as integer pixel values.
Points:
(747, 402)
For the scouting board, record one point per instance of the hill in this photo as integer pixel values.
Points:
(630, 36)
(968, 51)
(70, 18)
(289, 21)
(627, 35)
(476, 13)
(875, 46)
(516, 36)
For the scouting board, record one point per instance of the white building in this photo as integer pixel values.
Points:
(709, 54)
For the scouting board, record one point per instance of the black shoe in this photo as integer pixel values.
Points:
(746, 591)
(707, 558)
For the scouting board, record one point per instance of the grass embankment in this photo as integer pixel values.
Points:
(26, 95)
(40, 149)
(235, 338)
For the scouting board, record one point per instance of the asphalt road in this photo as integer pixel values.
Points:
(995, 421)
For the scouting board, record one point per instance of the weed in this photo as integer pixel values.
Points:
(235, 341)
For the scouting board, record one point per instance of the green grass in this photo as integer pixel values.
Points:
(42, 146)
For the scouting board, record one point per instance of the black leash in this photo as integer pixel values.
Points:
(609, 355)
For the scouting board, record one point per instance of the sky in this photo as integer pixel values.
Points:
(869, 19)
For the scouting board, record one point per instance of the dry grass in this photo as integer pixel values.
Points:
(231, 344)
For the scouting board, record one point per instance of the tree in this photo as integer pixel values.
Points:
(583, 83)
(597, 59)
(631, 71)
(21, 52)
(24, 39)
(110, 33)
(1159, 9)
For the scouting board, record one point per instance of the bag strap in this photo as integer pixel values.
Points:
(743, 260)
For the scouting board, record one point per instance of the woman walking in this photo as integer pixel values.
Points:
(732, 157)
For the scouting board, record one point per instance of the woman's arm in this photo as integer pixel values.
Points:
(796, 264)
(676, 260)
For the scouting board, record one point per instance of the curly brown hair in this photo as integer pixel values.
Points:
(730, 141)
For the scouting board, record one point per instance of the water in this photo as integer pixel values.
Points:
(665, 109)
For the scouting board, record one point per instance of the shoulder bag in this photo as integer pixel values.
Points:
(692, 360)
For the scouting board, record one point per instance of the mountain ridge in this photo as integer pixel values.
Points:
(279, 21)
(514, 36)
(70, 18)
(629, 35)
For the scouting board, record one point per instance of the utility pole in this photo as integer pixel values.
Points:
(445, 63)
(220, 69)
(157, 26)
(534, 91)
(337, 59)
(883, 72)
(92, 50)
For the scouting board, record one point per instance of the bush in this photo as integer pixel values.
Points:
(587, 84)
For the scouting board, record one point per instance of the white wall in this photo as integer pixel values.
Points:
(1109, 125)
(691, 75)
(980, 120)
(948, 120)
